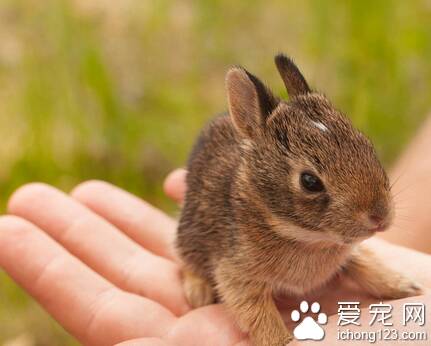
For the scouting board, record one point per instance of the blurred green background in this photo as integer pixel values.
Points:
(118, 90)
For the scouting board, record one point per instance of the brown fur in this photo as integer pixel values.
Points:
(248, 228)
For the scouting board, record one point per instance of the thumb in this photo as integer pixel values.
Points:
(175, 185)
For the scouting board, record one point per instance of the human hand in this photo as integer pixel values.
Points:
(101, 262)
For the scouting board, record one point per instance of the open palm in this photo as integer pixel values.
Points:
(101, 262)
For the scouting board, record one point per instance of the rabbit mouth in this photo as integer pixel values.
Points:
(376, 229)
(359, 235)
(380, 228)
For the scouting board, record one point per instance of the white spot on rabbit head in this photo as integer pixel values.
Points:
(320, 125)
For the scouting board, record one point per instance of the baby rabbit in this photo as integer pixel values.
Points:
(280, 194)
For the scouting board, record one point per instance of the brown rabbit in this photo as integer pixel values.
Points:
(280, 194)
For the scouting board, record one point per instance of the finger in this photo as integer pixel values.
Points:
(145, 342)
(175, 185)
(142, 222)
(411, 188)
(216, 327)
(243, 343)
(100, 245)
(401, 258)
(210, 325)
(85, 304)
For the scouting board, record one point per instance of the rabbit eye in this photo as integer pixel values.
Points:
(311, 183)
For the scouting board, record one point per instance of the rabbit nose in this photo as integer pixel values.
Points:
(377, 222)
(376, 219)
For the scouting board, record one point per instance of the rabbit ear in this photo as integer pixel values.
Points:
(293, 79)
(250, 101)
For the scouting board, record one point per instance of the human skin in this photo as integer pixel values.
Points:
(411, 178)
(101, 262)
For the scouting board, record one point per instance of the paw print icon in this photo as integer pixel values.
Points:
(309, 328)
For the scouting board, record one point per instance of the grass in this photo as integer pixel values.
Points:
(119, 90)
